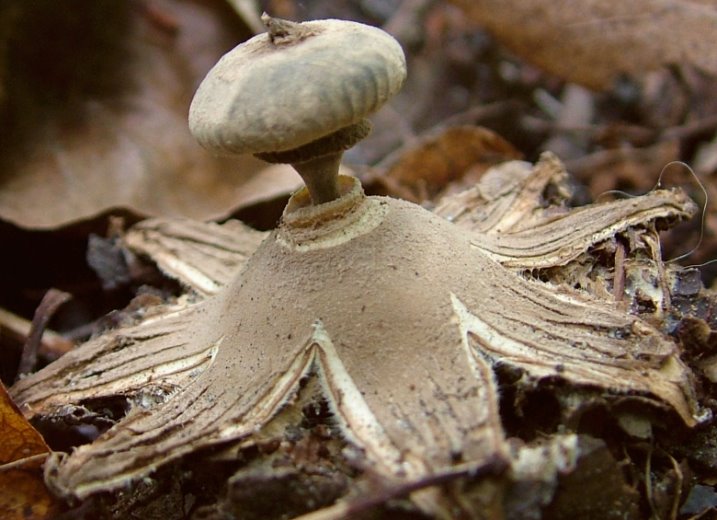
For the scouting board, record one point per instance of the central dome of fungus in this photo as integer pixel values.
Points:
(402, 317)
(375, 276)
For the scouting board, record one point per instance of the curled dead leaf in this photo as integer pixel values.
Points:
(23, 495)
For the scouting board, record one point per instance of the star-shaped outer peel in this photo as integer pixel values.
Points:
(145, 362)
(507, 212)
(506, 208)
(402, 319)
(406, 394)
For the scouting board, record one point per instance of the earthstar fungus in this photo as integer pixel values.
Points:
(397, 314)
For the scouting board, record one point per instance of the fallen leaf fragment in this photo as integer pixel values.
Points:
(23, 495)
(593, 41)
(444, 162)
(576, 476)
(595, 489)
(700, 501)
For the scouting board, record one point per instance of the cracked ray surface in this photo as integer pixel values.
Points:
(405, 345)
(153, 357)
(513, 223)
(211, 254)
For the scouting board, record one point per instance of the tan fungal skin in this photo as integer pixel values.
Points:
(299, 92)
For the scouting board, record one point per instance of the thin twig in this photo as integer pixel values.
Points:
(44, 312)
(678, 488)
(349, 509)
(19, 463)
(618, 284)
(648, 483)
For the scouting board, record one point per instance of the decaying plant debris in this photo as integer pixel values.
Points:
(287, 375)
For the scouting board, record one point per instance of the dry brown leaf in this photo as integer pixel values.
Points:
(444, 162)
(23, 494)
(136, 151)
(593, 41)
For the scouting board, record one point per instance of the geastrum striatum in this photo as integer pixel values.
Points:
(397, 315)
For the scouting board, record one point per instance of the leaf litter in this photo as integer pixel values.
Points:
(606, 39)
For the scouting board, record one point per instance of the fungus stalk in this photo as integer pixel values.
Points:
(318, 161)
(321, 176)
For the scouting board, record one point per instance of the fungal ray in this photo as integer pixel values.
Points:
(214, 408)
(151, 358)
(515, 225)
(583, 344)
